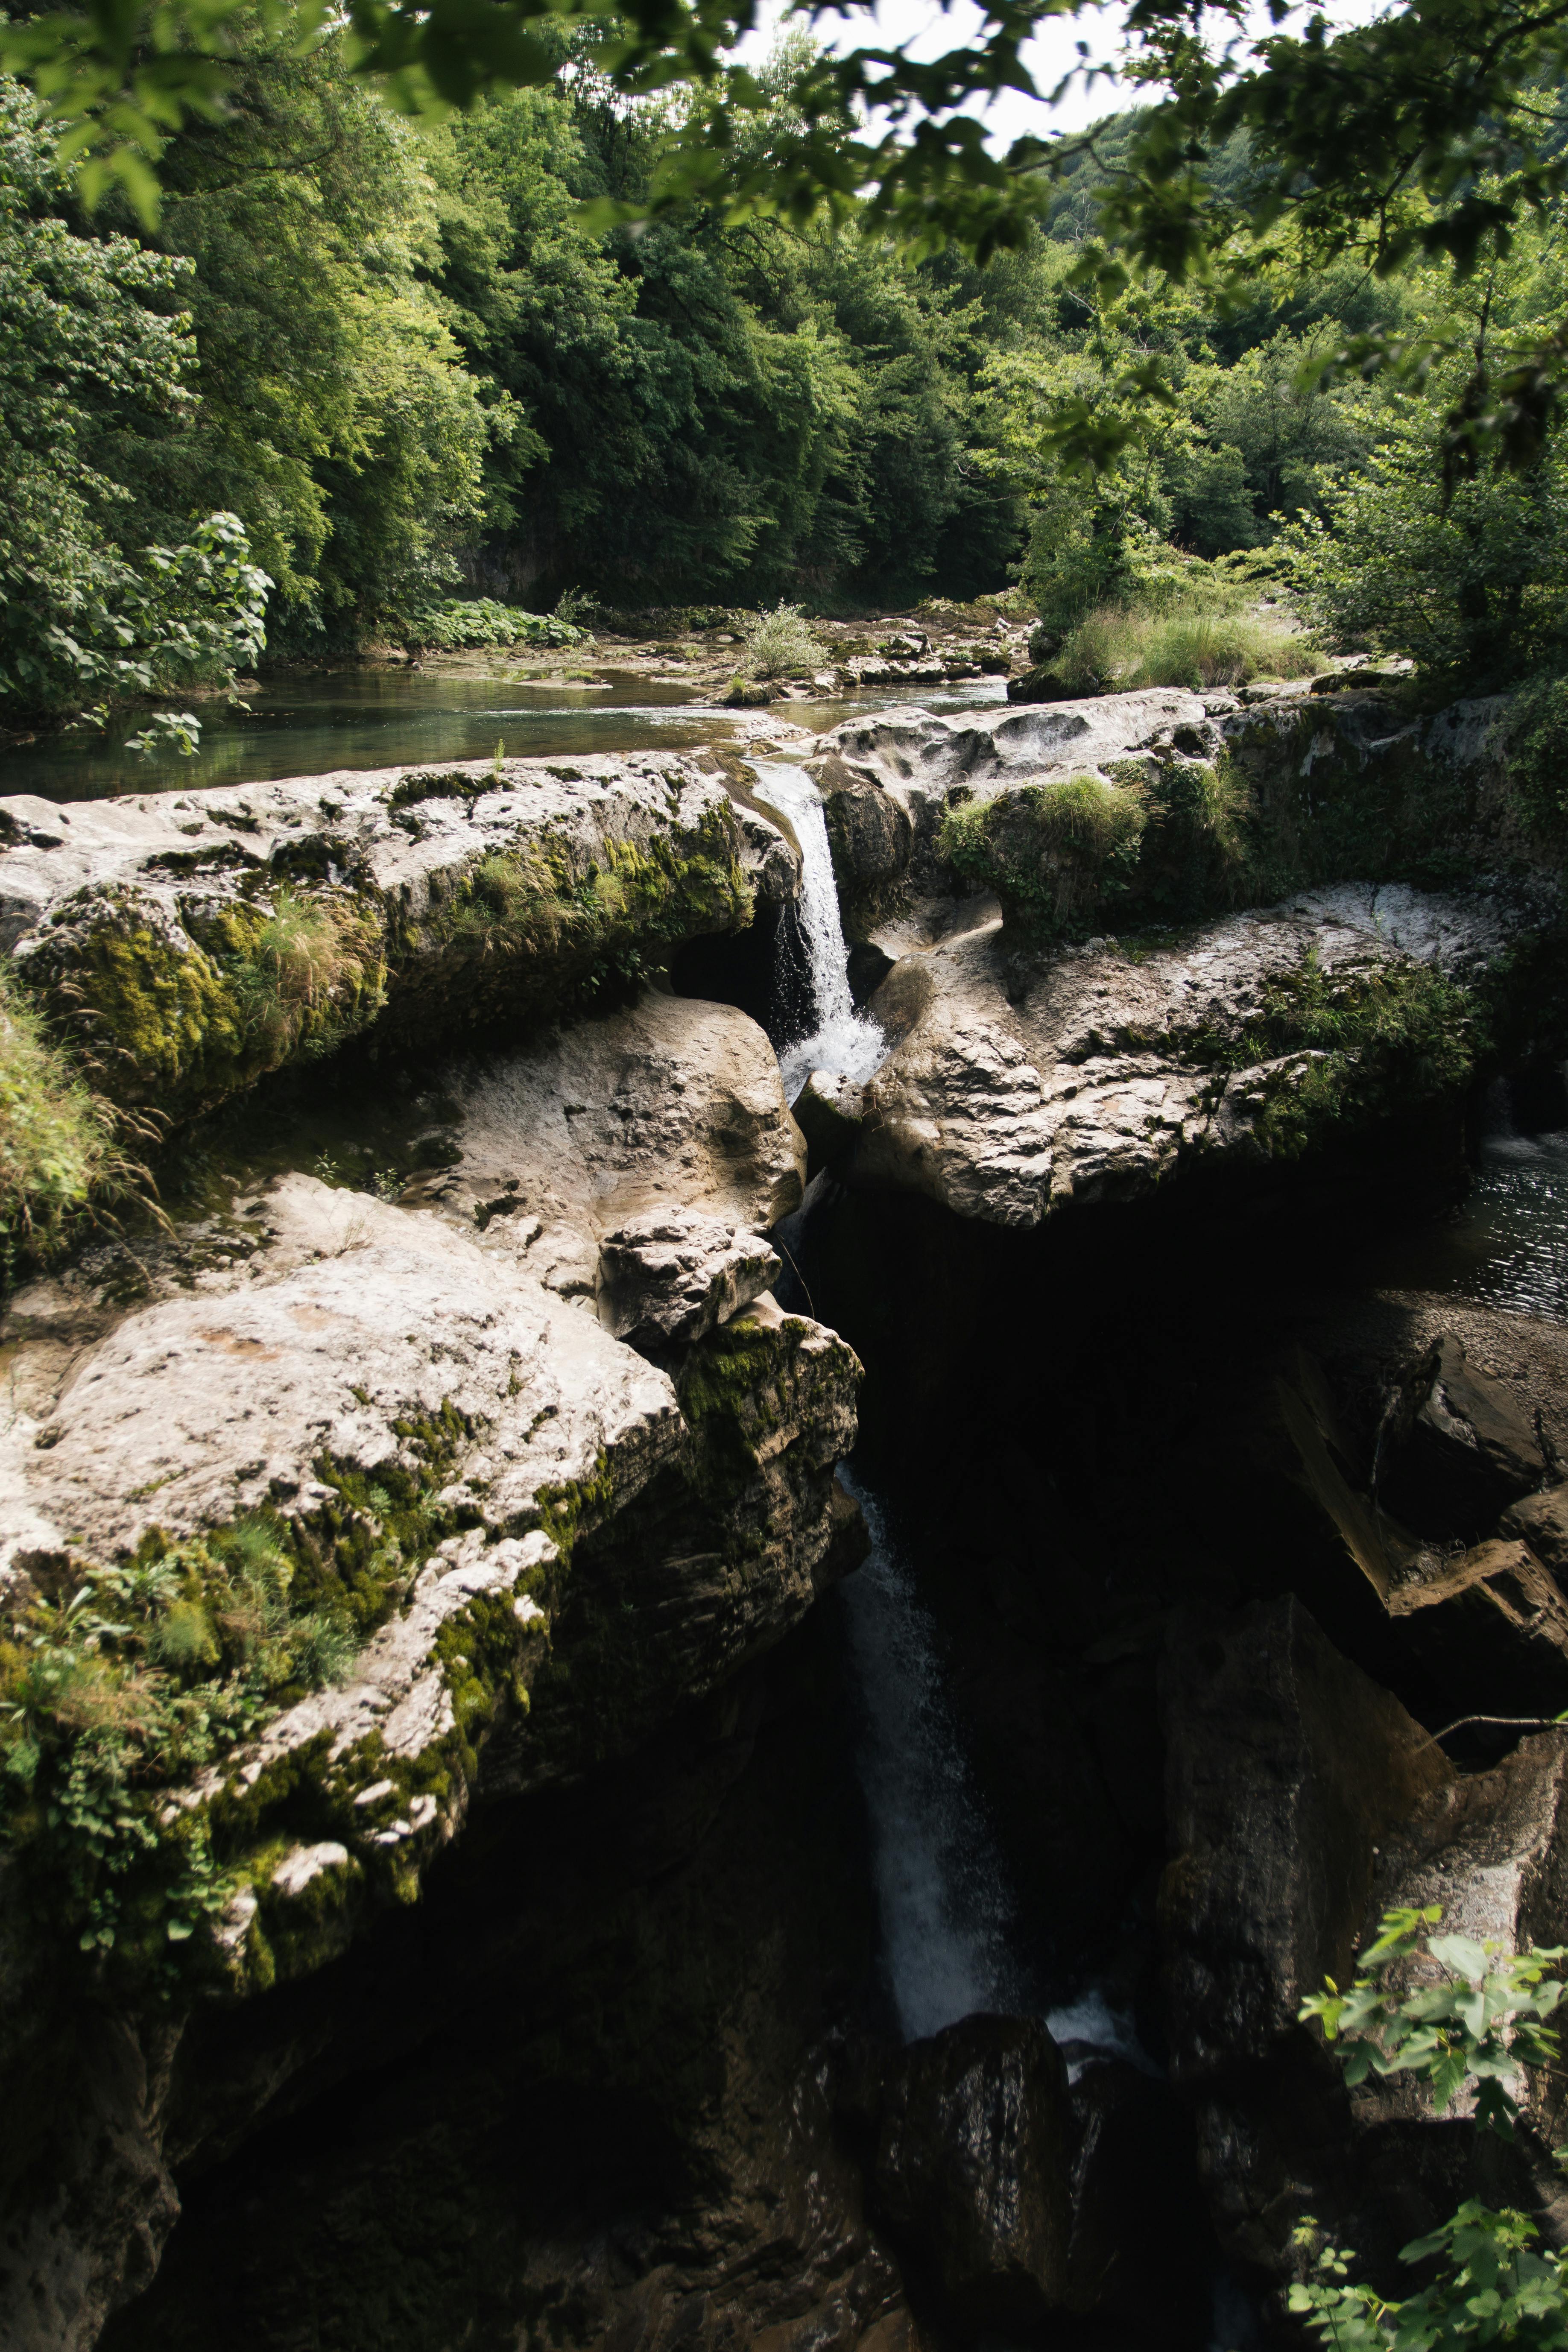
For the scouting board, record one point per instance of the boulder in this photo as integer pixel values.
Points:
(672, 1274)
(871, 839)
(922, 761)
(547, 1547)
(189, 942)
(1541, 1522)
(828, 1111)
(972, 2176)
(1286, 1768)
(1460, 1448)
(672, 1102)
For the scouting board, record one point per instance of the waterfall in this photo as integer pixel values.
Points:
(842, 1041)
(950, 1938)
(942, 1893)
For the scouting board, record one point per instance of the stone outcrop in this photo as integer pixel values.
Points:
(1009, 1092)
(671, 1275)
(669, 1102)
(186, 943)
(1024, 1071)
(1458, 1451)
(547, 1546)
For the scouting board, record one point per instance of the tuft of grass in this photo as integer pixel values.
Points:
(310, 972)
(780, 642)
(57, 1137)
(1117, 648)
(1045, 850)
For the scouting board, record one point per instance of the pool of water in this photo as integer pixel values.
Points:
(1507, 1246)
(308, 724)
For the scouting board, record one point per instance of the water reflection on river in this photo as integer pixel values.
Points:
(307, 724)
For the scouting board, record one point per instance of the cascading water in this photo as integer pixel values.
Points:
(942, 1893)
(842, 1041)
(950, 1942)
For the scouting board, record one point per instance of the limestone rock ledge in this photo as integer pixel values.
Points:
(1009, 1093)
(186, 943)
(1022, 1075)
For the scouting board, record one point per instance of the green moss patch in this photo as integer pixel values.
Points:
(1379, 1038)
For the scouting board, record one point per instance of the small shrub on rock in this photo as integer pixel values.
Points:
(780, 642)
(1051, 852)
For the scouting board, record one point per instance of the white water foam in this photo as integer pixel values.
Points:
(842, 1041)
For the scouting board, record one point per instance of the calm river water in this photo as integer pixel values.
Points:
(307, 724)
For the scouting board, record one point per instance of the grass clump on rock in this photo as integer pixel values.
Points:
(1048, 850)
(308, 973)
(1117, 648)
(57, 1139)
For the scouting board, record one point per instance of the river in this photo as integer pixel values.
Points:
(311, 722)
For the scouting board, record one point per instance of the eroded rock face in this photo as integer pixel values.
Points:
(1460, 1449)
(586, 1533)
(671, 1275)
(672, 1102)
(1008, 1094)
(921, 762)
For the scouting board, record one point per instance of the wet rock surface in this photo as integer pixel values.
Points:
(973, 2171)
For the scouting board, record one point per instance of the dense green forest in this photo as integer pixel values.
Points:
(381, 361)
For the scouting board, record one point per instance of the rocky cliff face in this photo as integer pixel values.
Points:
(385, 1504)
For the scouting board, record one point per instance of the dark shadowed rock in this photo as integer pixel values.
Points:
(1489, 1630)
(973, 2169)
(1460, 1450)
(1541, 1522)
(1141, 2255)
(1286, 1767)
(827, 1110)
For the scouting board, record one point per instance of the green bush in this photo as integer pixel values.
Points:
(455, 622)
(779, 642)
(1450, 2012)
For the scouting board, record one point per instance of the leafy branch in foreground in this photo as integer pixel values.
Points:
(1484, 2015)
